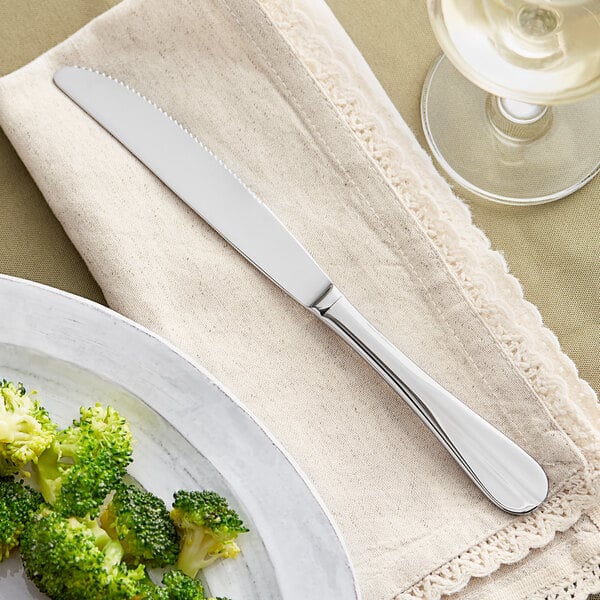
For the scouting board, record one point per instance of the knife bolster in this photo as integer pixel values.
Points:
(327, 300)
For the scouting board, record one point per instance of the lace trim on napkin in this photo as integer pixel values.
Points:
(485, 281)
(579, 586)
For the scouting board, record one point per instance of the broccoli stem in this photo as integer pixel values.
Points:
(49, 475)
(16, 427)
(192, 556)
(113, 554)
(101, 537)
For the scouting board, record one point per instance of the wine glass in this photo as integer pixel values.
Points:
(509, 112)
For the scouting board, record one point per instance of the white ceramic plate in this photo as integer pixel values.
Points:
(190, 434)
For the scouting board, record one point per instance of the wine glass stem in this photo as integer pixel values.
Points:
(517, 122)
(522, 113)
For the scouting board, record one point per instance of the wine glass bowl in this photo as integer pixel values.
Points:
(512, 112)
(543, 53)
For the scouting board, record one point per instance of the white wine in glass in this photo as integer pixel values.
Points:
(524, 126)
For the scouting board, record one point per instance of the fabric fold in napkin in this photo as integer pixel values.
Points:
(280, 93)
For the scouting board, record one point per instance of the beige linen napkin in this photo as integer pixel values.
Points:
(280, 93)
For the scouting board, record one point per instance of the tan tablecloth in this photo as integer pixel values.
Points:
(396, 221)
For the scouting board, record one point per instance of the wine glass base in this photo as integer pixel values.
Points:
(513, 165)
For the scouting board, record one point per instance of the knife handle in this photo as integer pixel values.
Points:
(503, 471)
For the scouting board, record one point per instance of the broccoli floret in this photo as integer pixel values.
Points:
(207, 528)
(177, 586)
(74, 559)
(148, 590)
(17, 504)
(26, 430)
(181, 587)
(85, 462)
(141, 522)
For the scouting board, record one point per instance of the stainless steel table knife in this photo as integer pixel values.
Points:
(505, 473)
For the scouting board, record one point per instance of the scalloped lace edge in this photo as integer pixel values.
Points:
(579, 586)
(483, 276)
(507, 546)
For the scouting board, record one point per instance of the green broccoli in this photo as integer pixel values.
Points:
(17, 504)
(75, 559)
(141, 522)
(148, 590)
(85, 462)
(26, 430)
(181, 587)
(177, 586)
(207, 527)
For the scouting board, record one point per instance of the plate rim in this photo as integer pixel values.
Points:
(87, 304)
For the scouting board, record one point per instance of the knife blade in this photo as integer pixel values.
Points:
(504, 472)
